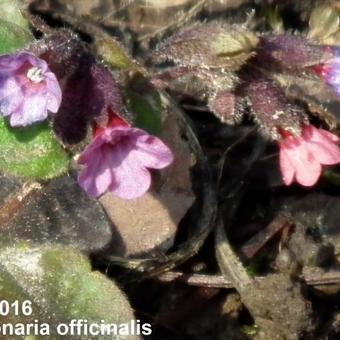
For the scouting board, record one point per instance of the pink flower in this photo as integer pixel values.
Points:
(301, 157)
(28, 89)
(118, 160)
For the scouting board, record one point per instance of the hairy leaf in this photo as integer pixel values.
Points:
(60, 286)
(209, 46)
(31, 152)
(14, 32)
(115, 56)
(271, 109)
(289, 52)
(89, 95)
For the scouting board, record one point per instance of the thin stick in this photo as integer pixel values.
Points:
(219, 281)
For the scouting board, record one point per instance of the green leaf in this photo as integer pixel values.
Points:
(31, 152)
(14, 33)
(12, 37)
(70, 273)
(10, 11)
(115, 56)
(59, 283)
(147, 110)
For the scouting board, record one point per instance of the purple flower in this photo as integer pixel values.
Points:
(28, 89)
(118, 160)
(330, 71)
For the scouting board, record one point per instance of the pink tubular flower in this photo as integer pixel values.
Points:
(118, 160)
(28, 89)
(301, 157)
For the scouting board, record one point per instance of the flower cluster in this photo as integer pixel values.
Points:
(119, 156)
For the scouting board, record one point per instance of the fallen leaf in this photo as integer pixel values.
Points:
(60, 213)
(57, 285)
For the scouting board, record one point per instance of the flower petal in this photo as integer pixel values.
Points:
(318, 135)
(309, 177)
(131, 179)
(53, 92)
(308, 169)
(326, 153)
(333, 77)
(11, 105)
(87, 155)
(34, 61)
(152, 152)
(10, 63)
(33, 109)
(96, 177)
(286, 166)
(329, 135)
(10, 88)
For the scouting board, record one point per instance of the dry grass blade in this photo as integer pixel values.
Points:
(229, 263)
